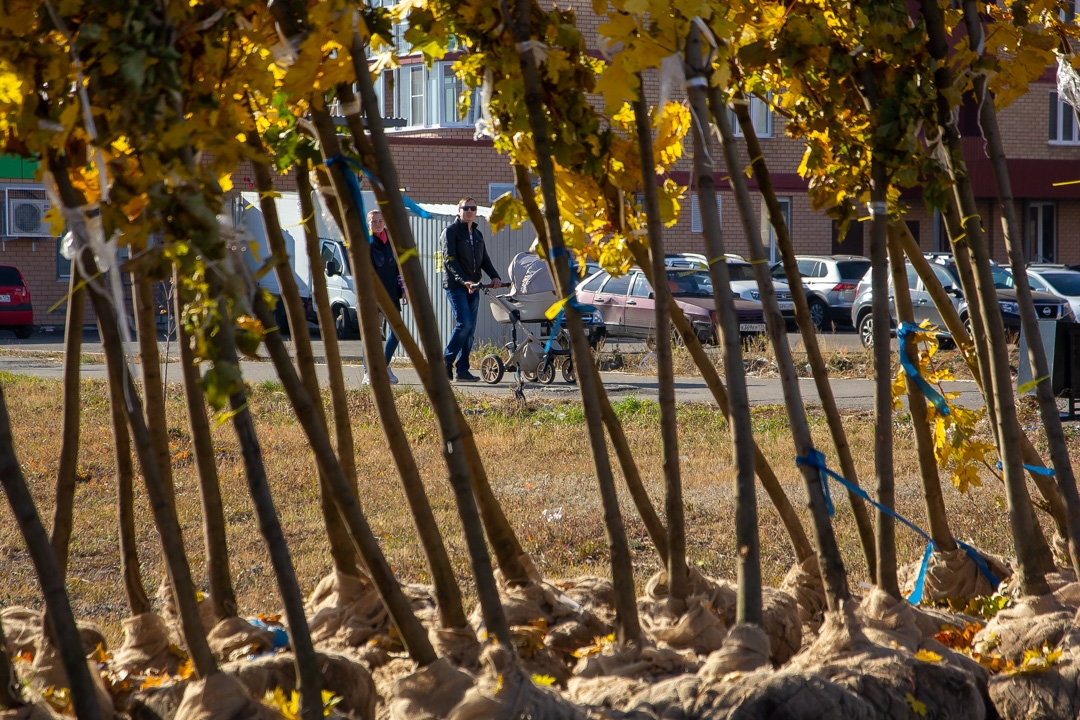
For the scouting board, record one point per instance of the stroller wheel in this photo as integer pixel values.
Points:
(491, 369)
(568, 373)
(546, 372)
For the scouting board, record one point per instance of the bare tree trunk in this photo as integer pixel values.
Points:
(352, 224)
(308, 678)
(1031, 558)
(748, 607)
(924, 443)
(669, 428)
(153, 390)
(818, 368)
(412, 633)
(176, 564)
(69, 444)
(830, 562)
(57, 607)
(222, 593)
(622, 569)
(138, 601)
(967, 348)
(1055, 436)
(341, 550)
(452, 424)
(800, 543)
(327, 330)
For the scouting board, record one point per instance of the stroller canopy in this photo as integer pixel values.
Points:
(529, 274)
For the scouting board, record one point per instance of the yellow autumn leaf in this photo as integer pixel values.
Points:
(543, 680)
(927, 656)
(917, 706)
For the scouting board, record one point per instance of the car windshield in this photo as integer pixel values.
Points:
(1066, 283)
(740, 271)
(690, 282)
(852, 269)
(1003, 279)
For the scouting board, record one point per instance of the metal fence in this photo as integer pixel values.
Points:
(501, 247)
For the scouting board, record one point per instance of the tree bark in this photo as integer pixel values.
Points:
(134, 590)
(830, 562)
(341, 550)
(69, 444)
(57, 606)
(924, 443)
(153, 389)
(669, 428)
(622, 570)
(1032, 559)
(748, 606)
(412, 633)
(452, 423)
(818, 368)
(308, 678)
(1051, 417)
(176, 564)
(222, 593)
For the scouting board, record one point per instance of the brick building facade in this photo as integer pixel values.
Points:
(439, 161)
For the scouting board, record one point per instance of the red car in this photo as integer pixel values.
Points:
(16, 312)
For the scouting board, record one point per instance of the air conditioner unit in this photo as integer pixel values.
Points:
(26, 218)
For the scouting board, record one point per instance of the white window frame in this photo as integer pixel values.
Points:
(1035, 243)
(762, 115)
(768, 236)
(696, 224)
(432, 86)
(1058, 113)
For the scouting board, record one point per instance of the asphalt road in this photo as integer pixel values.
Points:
(40, 356)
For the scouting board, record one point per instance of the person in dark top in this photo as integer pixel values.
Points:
(386, 268)
(464, 258)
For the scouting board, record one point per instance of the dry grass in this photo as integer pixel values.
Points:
(538, 459)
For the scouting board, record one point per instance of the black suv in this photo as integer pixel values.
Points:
(1047, 306)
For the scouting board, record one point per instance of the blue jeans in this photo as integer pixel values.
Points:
(465, 306)
(391, 340)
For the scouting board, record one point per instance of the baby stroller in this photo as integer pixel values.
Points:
(534, 357)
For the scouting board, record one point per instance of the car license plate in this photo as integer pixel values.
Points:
(751, 327)
(5, 298)
(786, 305)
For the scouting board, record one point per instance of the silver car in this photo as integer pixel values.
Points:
(1060, 280)
(831, 281)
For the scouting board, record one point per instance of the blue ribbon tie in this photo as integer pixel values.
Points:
(1037, 469)
(354, 189)
(816, 459)
(904, 333)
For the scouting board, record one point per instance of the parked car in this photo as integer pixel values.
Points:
(830, 281)
(1057, 280)
(743, 283)
(16, 312)
(1046, 306)
(627, 303)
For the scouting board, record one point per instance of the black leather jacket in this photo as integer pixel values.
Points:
(463, 260)
(382, 258)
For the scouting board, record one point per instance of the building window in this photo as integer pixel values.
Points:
(1041, 232)
(768, 236)
(63, 265)
(760, 113)
(1062, 121)
(695, 213)
(426, 97)
(497, 190)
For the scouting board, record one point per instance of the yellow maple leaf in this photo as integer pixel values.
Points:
(543, 680)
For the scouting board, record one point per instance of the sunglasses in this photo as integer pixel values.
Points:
(470, 208)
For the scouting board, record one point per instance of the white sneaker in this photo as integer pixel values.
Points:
(366, 380)
(393, 377)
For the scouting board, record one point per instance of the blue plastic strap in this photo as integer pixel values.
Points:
(1037, 469)
(354, 188)
(410, 204)
(816, 459)
(905, 333)
(980, 562)
(920, 581)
